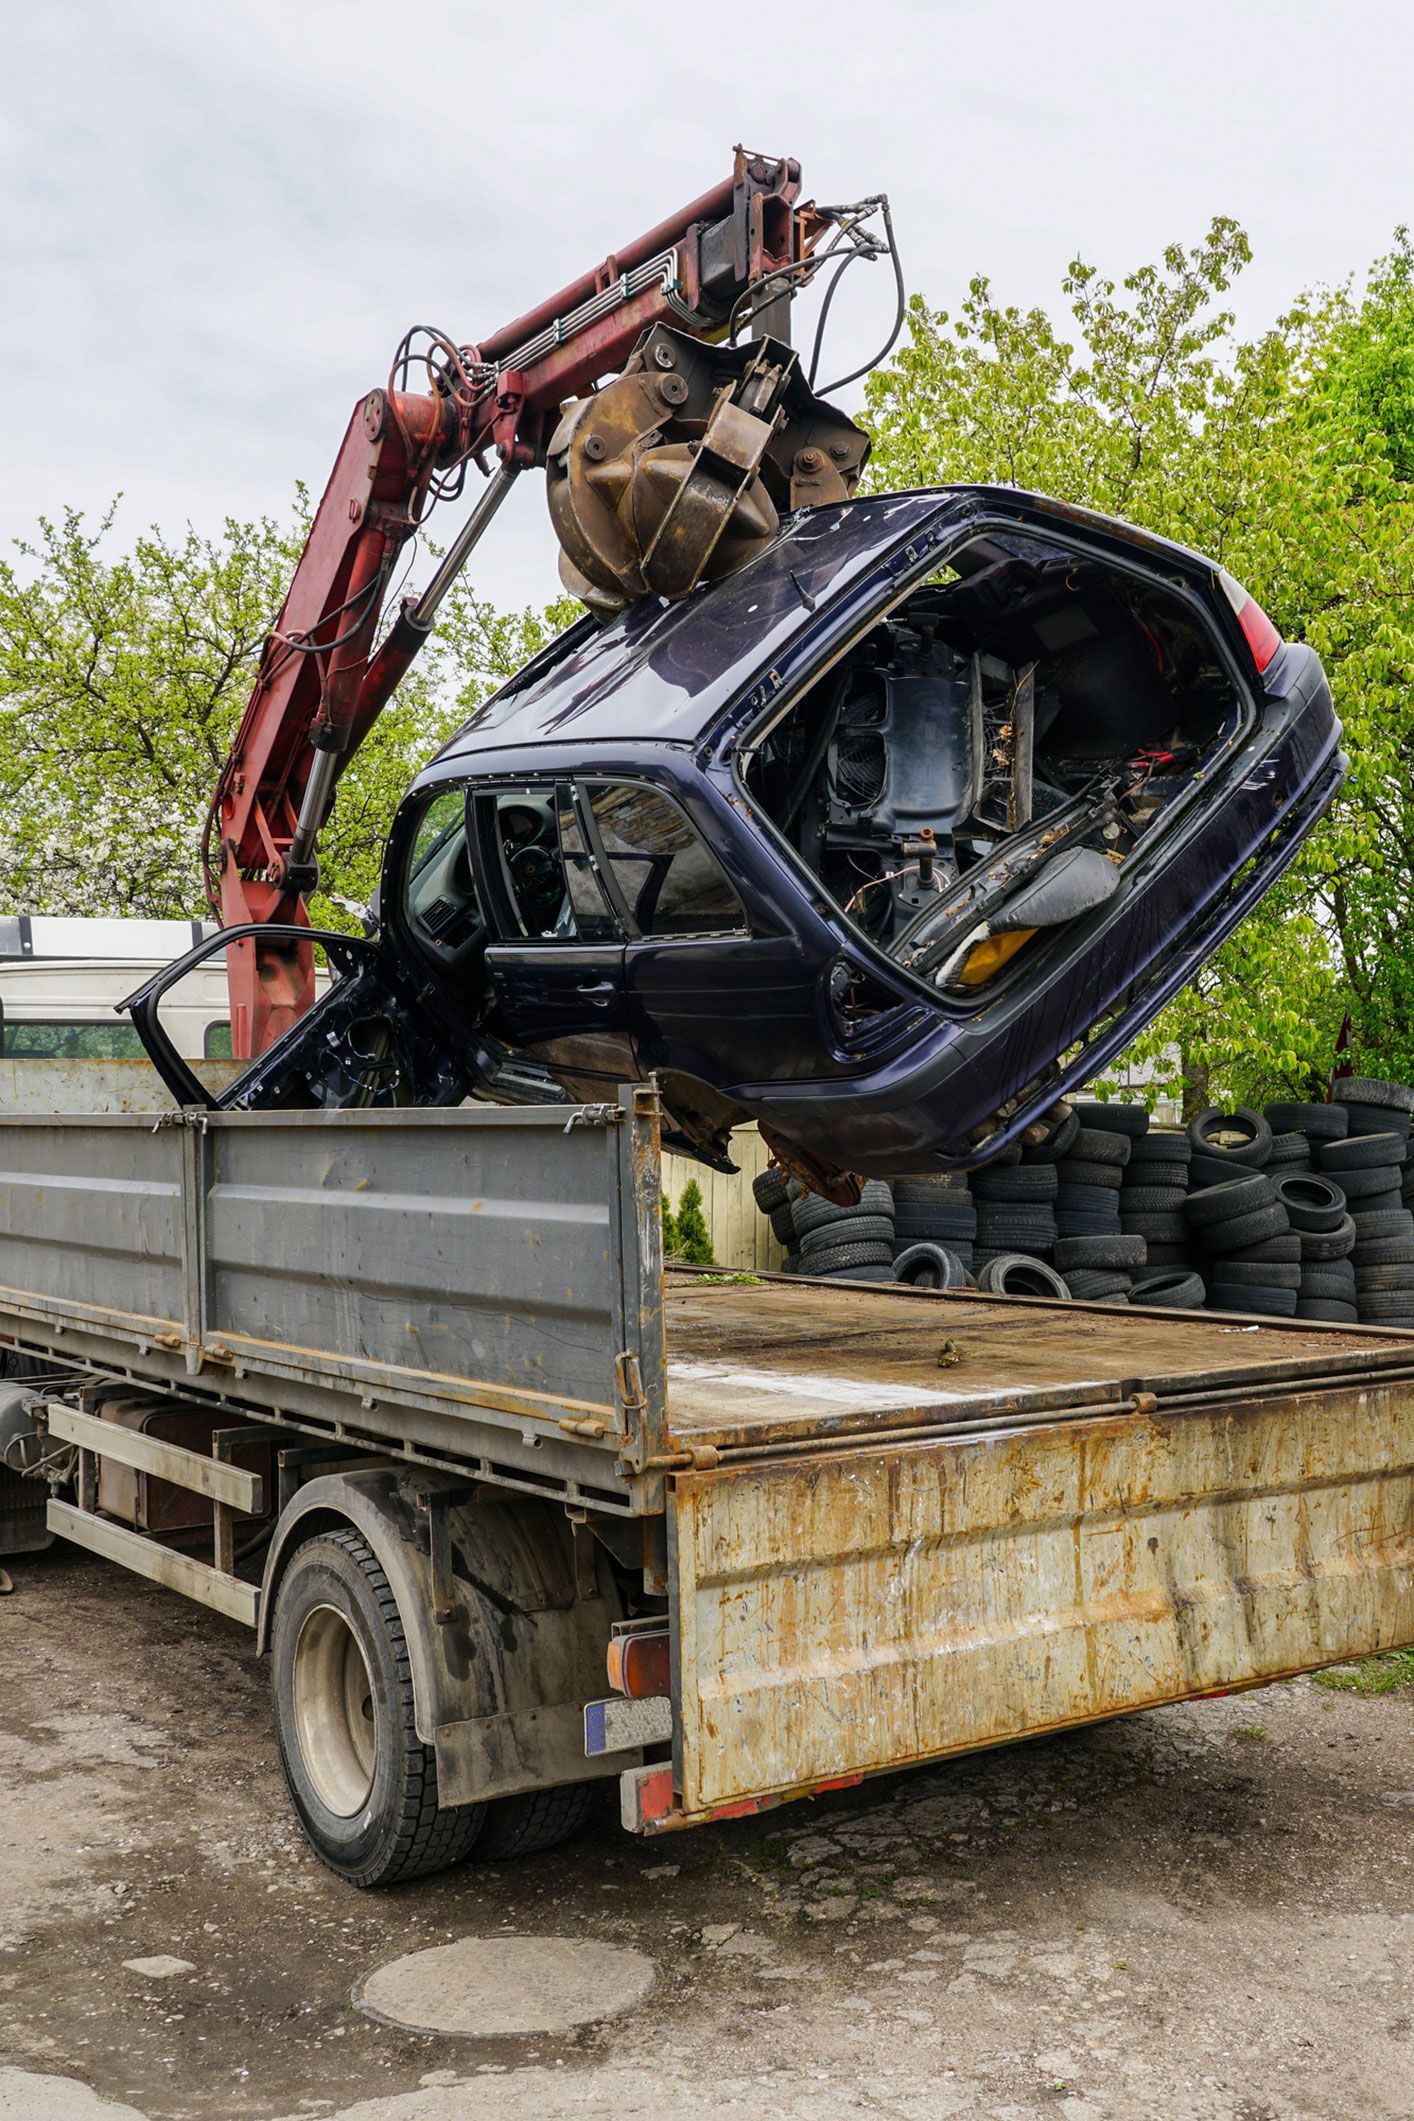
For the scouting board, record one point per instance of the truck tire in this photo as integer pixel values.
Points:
(538, 1819)
(361, 1780)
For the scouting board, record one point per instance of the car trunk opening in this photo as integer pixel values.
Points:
(971, 776)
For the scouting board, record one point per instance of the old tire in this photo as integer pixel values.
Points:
(1240, 1137)
(1369, 1090)
(1312, 1202)
(1242, 1233)
(1015, 1274)
(1102, 1251)
(847, 1230)
(1114, 1118)
(930, 1267)
(1178, 1291)
(1360, 1152)
(838, 1259)
(813, 1213)
(361, 1781)
(1316, 1122)
(1091, 1285)
(1257, 1303)
(768, 1189)
(1240, 1195)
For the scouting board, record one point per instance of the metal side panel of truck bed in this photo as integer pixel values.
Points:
(469, 1287)
(1047, 1515)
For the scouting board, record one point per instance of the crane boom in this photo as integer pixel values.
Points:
(322, 681)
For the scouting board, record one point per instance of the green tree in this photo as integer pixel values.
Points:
(1286, 457)
(123, 674)
(693, 1238)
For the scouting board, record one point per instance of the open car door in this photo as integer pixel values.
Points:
(365, 1041)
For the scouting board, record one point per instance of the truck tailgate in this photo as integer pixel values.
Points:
(1201, 1503)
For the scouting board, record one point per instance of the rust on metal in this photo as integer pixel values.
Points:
(857, 1610)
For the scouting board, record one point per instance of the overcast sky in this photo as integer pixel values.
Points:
(218, 219)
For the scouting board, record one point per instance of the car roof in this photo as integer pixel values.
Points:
(665, 671)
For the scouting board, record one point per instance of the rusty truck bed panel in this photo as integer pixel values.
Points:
(777, 1360)
(856, 1610)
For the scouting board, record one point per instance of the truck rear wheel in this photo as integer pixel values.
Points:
(360, 1778)
(538, 1819)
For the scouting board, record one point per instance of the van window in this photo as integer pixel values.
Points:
(57, 1039)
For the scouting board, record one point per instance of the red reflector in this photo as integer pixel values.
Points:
(639, 1665)
(1257, 629)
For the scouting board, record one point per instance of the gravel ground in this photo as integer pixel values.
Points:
(1203, 1913)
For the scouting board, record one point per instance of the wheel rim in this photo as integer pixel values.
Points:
(334, 1712)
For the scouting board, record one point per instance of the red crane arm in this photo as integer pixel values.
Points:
(321, 684)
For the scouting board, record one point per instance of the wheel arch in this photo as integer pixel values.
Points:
(499, 1691)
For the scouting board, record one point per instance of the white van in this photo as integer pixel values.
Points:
(62, 980)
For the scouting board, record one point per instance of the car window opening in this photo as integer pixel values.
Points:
(973, 774)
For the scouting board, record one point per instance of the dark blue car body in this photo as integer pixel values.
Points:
(746, 1025)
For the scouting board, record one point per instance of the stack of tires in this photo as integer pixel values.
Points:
(846, 1244)
(1016, 1208)
(774, 1195)
(1369, 1165)
(1152, 1204)
(1094, 1252)
(935, 1230)
(1236, 1218)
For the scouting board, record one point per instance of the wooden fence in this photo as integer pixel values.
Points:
(741, 1235)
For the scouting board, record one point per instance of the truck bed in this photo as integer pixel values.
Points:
(894, 1523)
(780, 1360)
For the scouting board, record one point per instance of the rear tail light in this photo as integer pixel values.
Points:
(1257, 629)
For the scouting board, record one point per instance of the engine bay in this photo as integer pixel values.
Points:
(976, 770)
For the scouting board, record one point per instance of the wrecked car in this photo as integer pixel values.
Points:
(884, 841)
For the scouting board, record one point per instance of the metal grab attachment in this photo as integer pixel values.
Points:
(680, 469)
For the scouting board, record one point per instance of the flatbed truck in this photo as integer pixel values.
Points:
(410, 1395)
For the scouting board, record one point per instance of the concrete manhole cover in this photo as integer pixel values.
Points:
(490, 1986)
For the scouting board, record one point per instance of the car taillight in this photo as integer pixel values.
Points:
(1257, 629)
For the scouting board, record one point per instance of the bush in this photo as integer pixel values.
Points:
(693, 1239)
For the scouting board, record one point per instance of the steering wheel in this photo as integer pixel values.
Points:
(539, 886)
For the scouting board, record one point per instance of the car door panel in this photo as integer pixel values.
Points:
(558, 995)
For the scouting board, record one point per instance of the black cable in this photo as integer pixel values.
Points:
(900, 312)
(840, 270)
